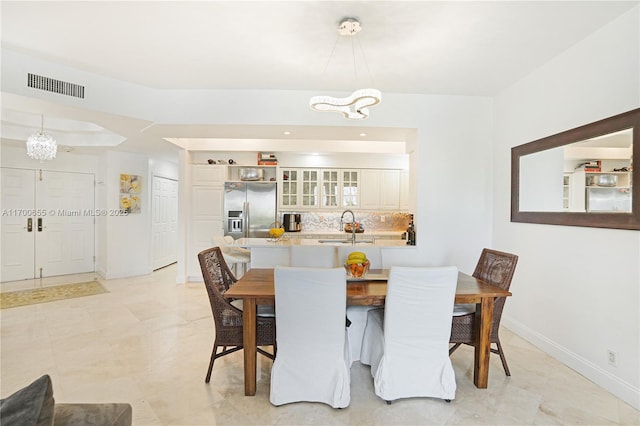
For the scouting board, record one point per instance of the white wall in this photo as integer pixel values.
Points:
(128, 239)
(576, 290)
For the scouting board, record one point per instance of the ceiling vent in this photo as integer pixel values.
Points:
(55, 86)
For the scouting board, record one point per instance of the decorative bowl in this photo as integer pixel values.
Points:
(357, 270)
(251, 174)
(605, 180)
(348, 227)
(276, 231)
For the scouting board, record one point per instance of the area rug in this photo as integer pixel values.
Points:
(13, 299)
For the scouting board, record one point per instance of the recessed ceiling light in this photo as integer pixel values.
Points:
(363, 134)
(286, 132)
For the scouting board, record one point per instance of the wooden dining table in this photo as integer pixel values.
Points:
(256, 287)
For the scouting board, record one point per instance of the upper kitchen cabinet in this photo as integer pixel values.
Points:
(208, 174)
(404, 190)
(380, 190)
(298, 188)
(350, 185)
(288, 187)
(369, 189)
(310, 185)
(330, 196)
(302, 188)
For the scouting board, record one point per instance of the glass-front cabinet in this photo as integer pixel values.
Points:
(288, 187)
(302, 188)
(310, 184)
(350, 188)
(330, 185)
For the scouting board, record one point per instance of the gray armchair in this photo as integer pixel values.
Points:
(34, 405)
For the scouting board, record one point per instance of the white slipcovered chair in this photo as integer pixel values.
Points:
(358, 314)
(313, 353)
(313, 256)
(234, 256)
(407, 343)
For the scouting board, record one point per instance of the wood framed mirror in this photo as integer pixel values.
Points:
(580, 177)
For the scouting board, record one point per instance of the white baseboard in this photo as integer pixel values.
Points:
(618, 387)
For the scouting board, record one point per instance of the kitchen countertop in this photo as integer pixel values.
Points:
(307, 234)
(337, 241)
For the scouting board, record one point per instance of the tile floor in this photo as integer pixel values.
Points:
(148, 341)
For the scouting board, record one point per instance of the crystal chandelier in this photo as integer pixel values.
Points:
(356, 106)
(41, 146)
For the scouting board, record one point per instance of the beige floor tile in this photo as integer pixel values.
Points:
(148, 341)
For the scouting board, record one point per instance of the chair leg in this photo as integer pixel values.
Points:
(503, 359)
(213, 358)
(454, 347)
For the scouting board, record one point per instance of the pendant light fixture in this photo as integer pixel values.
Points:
(41, 146)
(356, 106)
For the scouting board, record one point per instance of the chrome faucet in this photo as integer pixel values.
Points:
(353, 225)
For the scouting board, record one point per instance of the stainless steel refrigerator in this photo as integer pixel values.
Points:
(602, 199)
(249, 208)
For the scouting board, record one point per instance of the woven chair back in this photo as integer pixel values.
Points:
(496, 268)
(218, 278)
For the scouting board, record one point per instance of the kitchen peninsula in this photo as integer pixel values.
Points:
(268, 253)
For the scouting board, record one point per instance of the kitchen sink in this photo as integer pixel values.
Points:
(345, 241)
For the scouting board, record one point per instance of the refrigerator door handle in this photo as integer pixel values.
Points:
(247, 219)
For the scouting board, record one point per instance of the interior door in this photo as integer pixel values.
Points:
(17, 224)
(164, 227)
(65, 236)
(47, 223)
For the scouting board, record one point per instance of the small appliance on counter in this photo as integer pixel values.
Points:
(292, 222)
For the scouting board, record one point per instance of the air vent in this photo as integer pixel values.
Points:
(55, 86)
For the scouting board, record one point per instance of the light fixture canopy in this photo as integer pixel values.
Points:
(41, 146)
(356, 106)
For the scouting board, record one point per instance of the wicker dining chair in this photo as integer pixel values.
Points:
(227, 315)
(496, 268)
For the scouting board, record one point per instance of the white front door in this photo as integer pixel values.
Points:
(17, 224)
(65, 245)
(164, 212)
(60, 207)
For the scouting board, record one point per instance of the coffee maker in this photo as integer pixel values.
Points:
(292, 222)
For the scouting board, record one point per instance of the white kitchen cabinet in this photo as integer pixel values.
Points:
(330, 194)
(380, 189)
(288, 188)
(208, 174)
(370, 189)
(404, 190)
(310, 183)
(206, 212)
(298, 188)
(350, 188)
(389, 189)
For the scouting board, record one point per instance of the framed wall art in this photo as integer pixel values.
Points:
(130, 189)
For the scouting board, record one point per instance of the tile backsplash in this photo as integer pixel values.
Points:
(371, 221)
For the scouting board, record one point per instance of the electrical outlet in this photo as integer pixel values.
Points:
(613, 357)
(382, 218)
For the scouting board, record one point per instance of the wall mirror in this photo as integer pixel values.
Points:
(580, 177)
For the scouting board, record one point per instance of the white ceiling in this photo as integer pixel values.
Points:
(427, 47)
